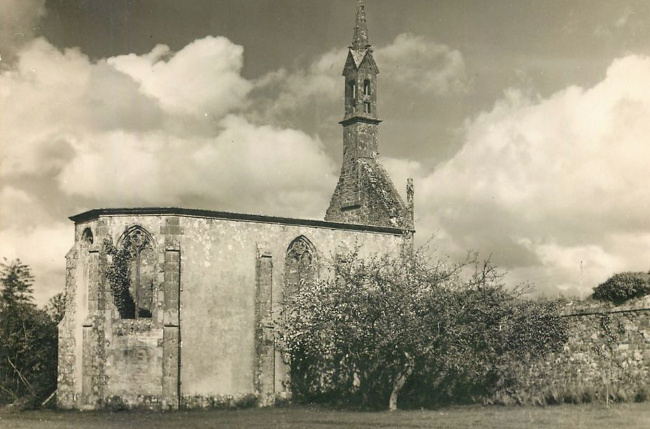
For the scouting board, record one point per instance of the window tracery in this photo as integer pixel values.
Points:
(132, 274)
(300, 264)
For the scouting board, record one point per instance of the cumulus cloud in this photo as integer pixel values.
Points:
(19, 209)
(246, 167)
(409, 63)
(552, 185)
(292, 89)
(51, 99)
(52, 242)
(105, 122)
(422, 65)
(18, 24)
(201, 79)
(163, 128)
(28, 232)
(400, 170)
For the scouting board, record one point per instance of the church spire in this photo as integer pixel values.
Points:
(364, 194)
(360, 38)
(360, 73)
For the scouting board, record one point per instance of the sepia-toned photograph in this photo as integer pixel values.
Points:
(324, 214)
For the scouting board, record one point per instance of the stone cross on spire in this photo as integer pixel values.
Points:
(360, 39)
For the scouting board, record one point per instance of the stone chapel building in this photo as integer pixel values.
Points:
(172, 307)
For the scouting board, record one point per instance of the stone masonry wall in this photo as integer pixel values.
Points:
(232, 278)
(215, 287)
(66, 394)
(607, 356)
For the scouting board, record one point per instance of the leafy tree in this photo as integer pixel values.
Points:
(491, 329)
(622, 287)
(17, 280)
(28, 350)
(382, 328)
(55, 307)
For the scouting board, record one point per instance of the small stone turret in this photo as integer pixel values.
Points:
(364, 194)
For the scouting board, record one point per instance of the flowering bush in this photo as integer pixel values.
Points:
(411, 327)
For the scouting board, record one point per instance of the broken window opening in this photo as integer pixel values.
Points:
(353, 92)
(87, 237)
(132, 275)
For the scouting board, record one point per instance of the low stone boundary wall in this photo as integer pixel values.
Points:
(607, 357)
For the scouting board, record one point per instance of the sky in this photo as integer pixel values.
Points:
(525, 124)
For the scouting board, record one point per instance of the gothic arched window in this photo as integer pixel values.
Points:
(87, 237)
(366, 87)
(300, 265)
(136, 258)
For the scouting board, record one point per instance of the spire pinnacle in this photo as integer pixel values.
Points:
(360, 38)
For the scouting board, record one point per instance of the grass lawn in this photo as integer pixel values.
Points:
(565, 416)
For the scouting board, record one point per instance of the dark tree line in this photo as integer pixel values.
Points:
(28, 345)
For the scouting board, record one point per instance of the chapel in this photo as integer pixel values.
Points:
(171, 308)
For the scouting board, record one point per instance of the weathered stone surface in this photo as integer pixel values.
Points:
(376, 203)
(264, 338)
(210, 334)
(606, 354)
(171, 368)
(364, 193)
(66, 391)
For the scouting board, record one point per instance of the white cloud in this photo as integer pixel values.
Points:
(30, 233)
(18, 21)
(400, 170)
(43, 249)
(201, 79)
(412, 63)
(51, 98)
(156, 129)
(571, 269)
(19, 209)
(246, 167)
(422, 65)
(263, 168)
(282, 92)
(103, 134)
(547, 183)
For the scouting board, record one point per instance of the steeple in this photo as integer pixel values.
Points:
(360, 39)
(360, 73)
(364, 194)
